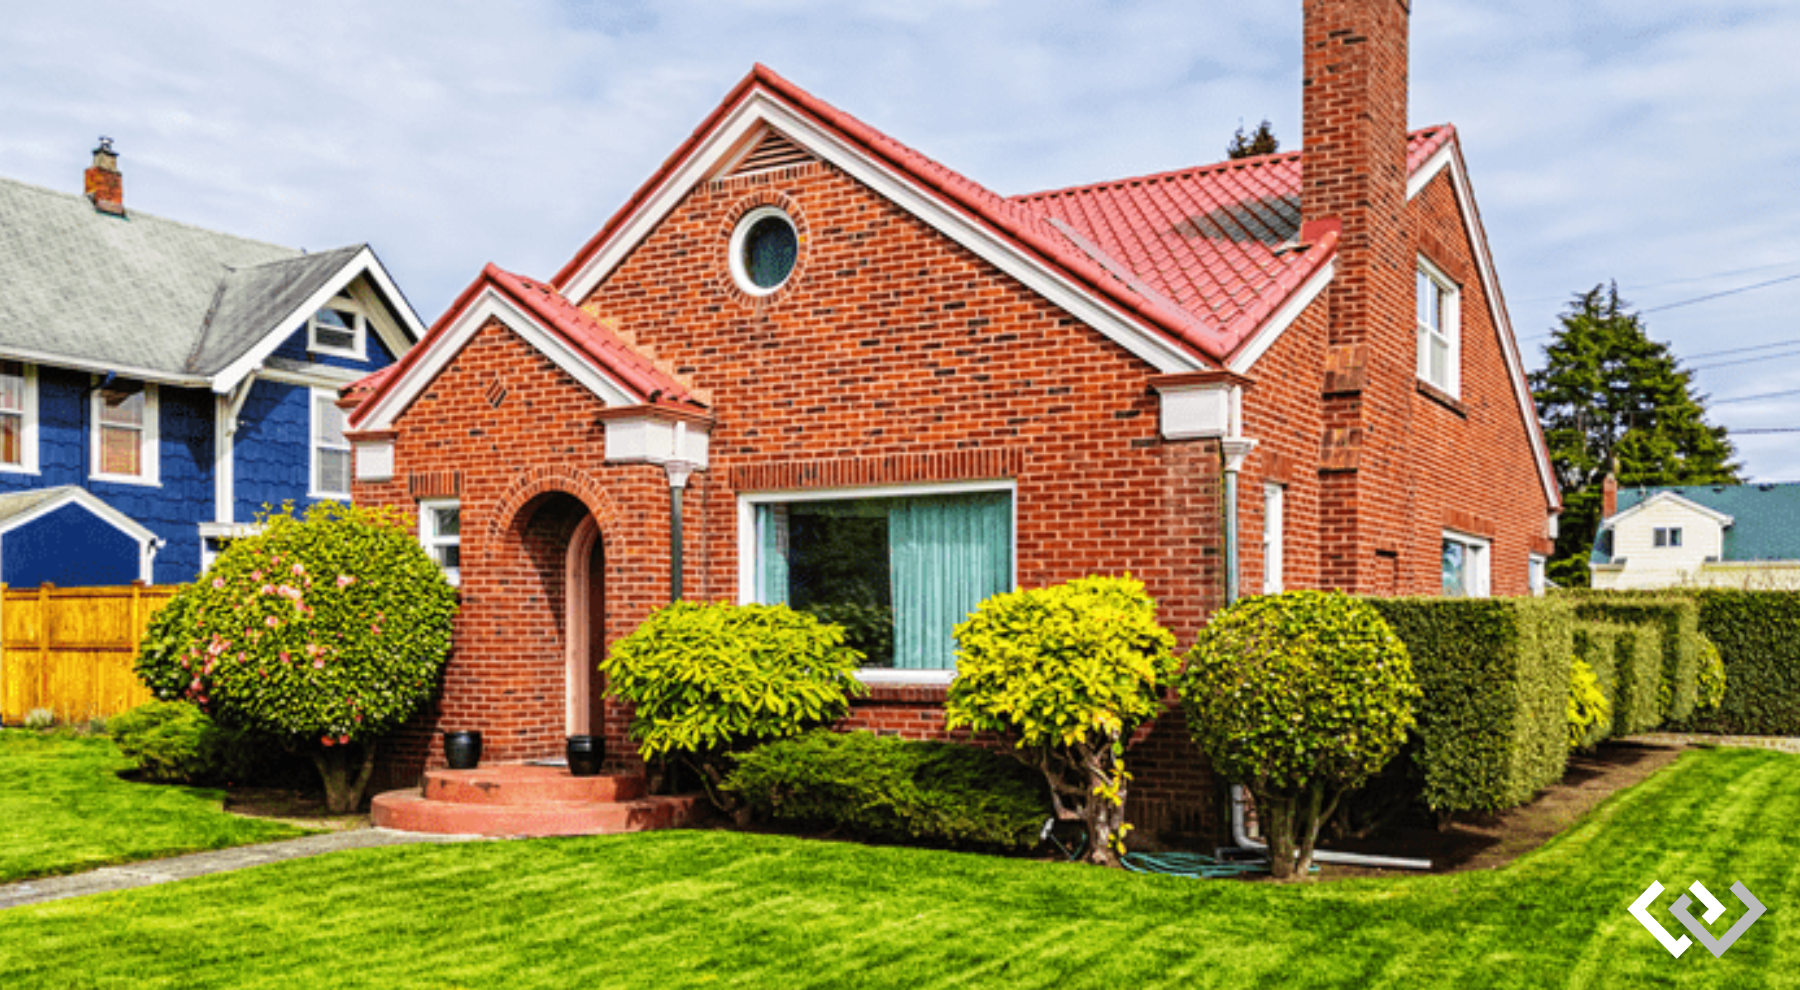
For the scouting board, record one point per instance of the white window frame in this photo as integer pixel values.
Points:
(360, 325)
(432, 540)
(1450, 332)
(314, 445)
(1479, 553)
(747, 547)
(28, 430)
(1537, 574)
(149, 441)
(1666, 537)
(1274, 537)
(741, 233)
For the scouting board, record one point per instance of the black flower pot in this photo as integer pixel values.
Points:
(586, 753)
(462, 749)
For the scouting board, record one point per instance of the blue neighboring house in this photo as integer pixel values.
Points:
(159, 383)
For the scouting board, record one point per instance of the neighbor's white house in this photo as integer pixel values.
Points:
(1719, 536)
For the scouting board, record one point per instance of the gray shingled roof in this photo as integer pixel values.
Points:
(138, 291)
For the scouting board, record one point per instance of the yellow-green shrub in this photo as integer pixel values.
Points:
(1067, 673)
(1590, 713)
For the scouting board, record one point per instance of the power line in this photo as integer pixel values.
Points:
(1748, 360)
(1770, 429)
(1753, 398)
(1721, 295)
(1745, 350)
(1632, 289)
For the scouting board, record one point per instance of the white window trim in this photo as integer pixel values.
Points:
(1451, 331)
(28, 433)
(150, 442)
(314, 445)
(747, 547)
(741, 232)
(1480, 558)
(1274, 537)
(1666, 537)
(359, 350)
(430, 539)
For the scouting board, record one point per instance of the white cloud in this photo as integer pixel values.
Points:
(1645, 141)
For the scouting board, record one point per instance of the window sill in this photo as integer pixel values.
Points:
(17, 469)
(1442, 397)
(126, 479)
(894, 677)
(329, 496)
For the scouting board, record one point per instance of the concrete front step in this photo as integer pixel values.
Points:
(410, 811)
(528, 785)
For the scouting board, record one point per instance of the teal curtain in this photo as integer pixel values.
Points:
(945, 555)
(772, 554)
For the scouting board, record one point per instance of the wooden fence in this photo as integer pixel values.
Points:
(71, 649)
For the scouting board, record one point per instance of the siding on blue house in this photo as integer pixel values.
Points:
(69, 547)
(272, 463)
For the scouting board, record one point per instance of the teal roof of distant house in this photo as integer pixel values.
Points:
(1765, 517)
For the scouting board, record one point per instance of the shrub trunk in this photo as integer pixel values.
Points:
(344, 782)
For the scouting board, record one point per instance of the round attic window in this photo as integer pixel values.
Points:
(764, 248)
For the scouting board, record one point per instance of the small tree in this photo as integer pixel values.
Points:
(326, 631)
(1261, 141)
(1300, 697)
(1068, 672)
(708, 680)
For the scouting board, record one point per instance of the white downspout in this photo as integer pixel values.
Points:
(1241, 836)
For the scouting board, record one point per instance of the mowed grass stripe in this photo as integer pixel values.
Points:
(66, 810)
(733, 910)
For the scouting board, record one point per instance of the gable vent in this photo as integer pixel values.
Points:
(775, 150)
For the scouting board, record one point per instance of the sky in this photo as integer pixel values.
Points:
(1649, 142)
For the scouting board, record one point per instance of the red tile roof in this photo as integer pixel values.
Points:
(1192, 253)
(1219, 241)
(600, 345)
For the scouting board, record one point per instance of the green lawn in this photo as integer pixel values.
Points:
(723, 909)
(64, 809)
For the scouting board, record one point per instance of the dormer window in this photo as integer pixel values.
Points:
(339, 329)
(1440, 344)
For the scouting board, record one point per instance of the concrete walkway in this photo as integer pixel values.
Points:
(157, 871)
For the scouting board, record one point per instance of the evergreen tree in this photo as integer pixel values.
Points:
(1260, 142)
(1609, 394)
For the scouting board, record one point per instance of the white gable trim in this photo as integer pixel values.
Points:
(1276, 325)
(760, 108)
(146, 540)
(1446, 158)
(1440, 159)
(1660, 498)
(364, 262)
(490, 304)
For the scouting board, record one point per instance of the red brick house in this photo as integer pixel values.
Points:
(806, 363)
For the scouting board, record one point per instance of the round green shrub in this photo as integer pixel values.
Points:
(1299, 697)
(708, 679)
(324, 631)
(1067, 672)
(175, 741)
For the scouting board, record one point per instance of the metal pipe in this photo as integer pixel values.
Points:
(1241, 836)
(675, 543)
(1232, 592)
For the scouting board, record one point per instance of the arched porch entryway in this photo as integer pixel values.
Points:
(565, 548)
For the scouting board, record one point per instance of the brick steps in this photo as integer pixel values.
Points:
(530, 801)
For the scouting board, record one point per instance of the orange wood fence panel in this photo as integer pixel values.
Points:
(71, 650)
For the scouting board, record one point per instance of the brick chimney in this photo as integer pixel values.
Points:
(104, 186)
(1609, 496)
(1353, 134)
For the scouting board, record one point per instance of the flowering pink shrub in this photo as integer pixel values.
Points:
(325, 630)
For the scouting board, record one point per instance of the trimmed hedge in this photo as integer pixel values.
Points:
(1677, 620)
(1758, 634)
(884, 787)
(1493, 723)
(1628, 660)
